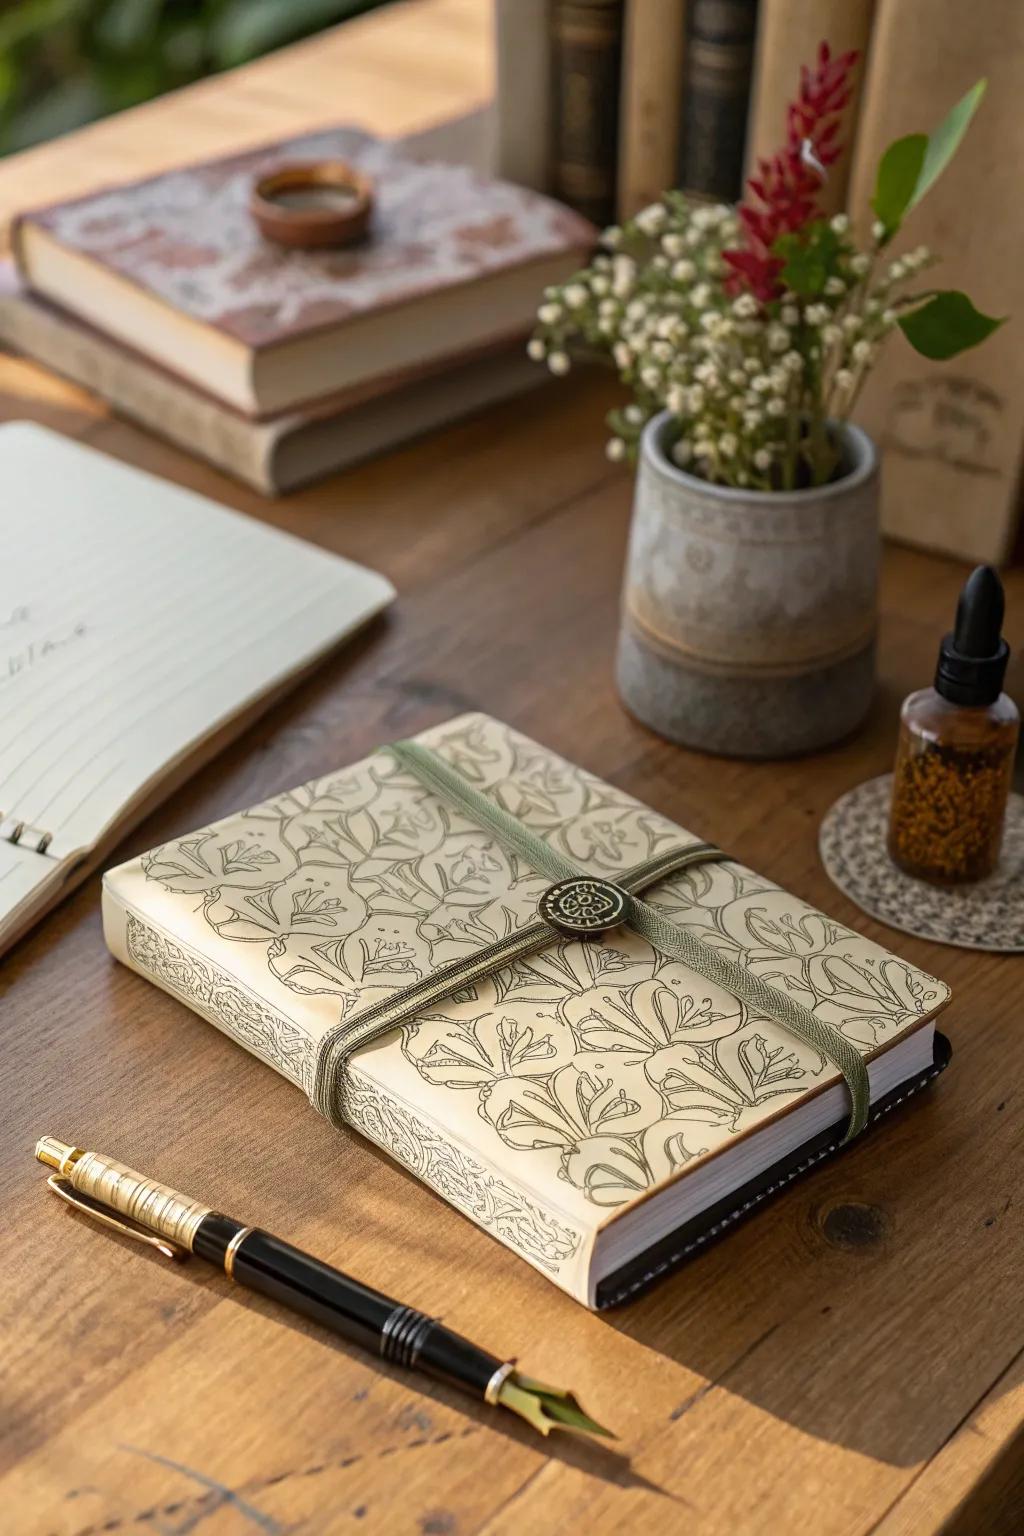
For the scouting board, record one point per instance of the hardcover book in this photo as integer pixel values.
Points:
(279, 453)
(175, 266)
(602, 1109)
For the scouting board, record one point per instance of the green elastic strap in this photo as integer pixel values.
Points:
(652, 925)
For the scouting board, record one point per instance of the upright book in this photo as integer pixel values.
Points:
(652, 101)
(586, 44)
(716, 96)
(140, 627)
(397, 953)
(175, 267)
(951, 433)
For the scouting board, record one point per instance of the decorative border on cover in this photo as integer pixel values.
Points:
(468, 1185)
(217, 996)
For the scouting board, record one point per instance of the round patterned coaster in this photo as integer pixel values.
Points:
(988, 915)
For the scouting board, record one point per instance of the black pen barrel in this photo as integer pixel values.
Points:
(397, 1333)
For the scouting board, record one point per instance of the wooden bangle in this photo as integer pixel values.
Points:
(294, 206)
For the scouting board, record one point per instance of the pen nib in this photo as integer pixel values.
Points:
(547, 1408)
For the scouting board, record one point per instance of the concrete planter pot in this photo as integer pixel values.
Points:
(748, 623)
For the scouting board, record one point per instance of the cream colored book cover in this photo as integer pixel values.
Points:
(549, 1097)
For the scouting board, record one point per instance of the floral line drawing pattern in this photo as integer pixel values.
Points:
(458, 1178)
(598, 1062)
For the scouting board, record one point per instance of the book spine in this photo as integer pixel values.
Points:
(523, 92)
(652, 98)
(789, 33)
(586, 42)
(716, 96)
(140, 392)
(951, 433)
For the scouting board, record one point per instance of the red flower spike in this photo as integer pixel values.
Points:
(786, 187)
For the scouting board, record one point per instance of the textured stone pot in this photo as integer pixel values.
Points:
(748, 624)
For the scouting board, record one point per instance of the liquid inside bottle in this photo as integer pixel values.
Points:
(950, 785)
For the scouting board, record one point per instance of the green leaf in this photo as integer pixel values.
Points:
(899, 171)
(946, 325)
(945, 141)
(811, 256)
(912, 165)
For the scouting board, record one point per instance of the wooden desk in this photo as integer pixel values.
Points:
(850, 1361)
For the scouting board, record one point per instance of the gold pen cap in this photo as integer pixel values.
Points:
(56, 1154)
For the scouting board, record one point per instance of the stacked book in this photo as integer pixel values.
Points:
(280, 365)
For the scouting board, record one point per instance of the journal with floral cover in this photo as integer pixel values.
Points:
(601, 1109)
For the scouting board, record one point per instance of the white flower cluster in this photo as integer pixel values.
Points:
(752, 384)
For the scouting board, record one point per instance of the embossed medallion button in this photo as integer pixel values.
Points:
(583, 905)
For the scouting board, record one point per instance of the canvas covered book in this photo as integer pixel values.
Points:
(175, 267)
(397, 949)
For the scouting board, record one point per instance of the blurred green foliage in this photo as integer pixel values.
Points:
(66, 62)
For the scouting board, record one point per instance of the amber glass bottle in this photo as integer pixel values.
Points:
(956, 749)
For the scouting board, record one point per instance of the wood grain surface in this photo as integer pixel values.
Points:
(849, 1361)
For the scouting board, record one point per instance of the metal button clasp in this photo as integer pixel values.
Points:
(583, 906)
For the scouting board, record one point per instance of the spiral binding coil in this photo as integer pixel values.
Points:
(21, 833)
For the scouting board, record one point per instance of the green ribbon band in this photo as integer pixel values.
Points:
(645, 920)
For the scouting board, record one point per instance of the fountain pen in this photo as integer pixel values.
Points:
(152, 1213)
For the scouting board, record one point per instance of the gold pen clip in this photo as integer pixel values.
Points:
(67, 1192)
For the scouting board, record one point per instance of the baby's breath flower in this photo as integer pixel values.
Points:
(575, 295)
(623, 355)
(776, 407)
(762, 459)
(558, 362)
(615, 449)
(789, 314)
(652, 218)
(536, 349)
(636, 309)
(840, 223)
(761, 383)
(778, 338)
(752, 420)
(549, 314)
(659, 263)
(844, 378)
(888, 317)
(781, 379)
(634, 415)
(818, 314)
(752, 365)
(676, 400)
(728, 444)
(862, 351)
(897, 271)
(860, 264)
(695, 397)
(682, 451)
(834, 286)
(745, 306)
(851, 324)
(662, 351)
(737, 377)
(832, 334)
(673, 244)
(793, 361)
(599, 285)
(650, 378)
(623, 275)
(878, 230)
(700, 296)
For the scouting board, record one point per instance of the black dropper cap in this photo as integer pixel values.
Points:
(972, 660)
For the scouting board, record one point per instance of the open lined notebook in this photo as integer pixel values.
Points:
(140, 626)
(601, 1109)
